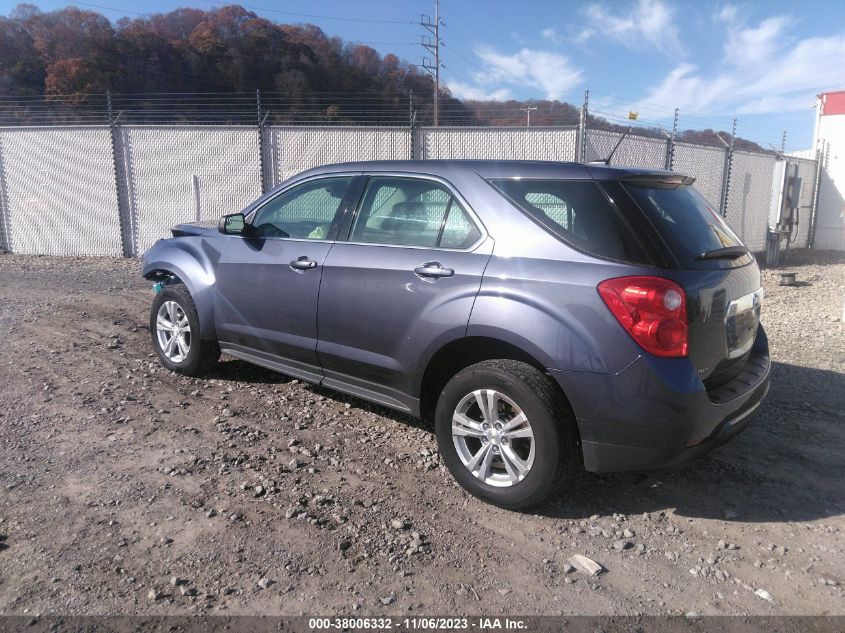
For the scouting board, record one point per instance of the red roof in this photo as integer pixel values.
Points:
(832, 102)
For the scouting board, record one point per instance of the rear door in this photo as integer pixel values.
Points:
(401, 285)
(268, 280)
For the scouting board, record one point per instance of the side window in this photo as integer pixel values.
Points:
(305, 212)
(553, 207)
(577, 212)
(458, 231)
(412, 212)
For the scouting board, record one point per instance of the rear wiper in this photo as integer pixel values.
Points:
(728, 252)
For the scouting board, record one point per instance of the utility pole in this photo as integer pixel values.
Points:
(527, 110)
(434, 49)
(783, 143)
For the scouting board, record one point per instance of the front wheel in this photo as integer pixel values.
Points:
(174, 327)
(506, 433)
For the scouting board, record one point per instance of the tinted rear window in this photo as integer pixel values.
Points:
(685, 220)
(577, 212)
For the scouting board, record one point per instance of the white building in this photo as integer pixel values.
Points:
(830, 139)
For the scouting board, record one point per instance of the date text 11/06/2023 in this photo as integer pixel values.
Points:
(417, 623)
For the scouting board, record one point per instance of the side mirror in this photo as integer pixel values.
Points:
(233, 224)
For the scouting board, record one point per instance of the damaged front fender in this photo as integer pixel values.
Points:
(190, 261)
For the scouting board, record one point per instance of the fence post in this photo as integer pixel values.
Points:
(726, 174)
(581, 152)
(5, 232)
(412, 124)
(260, 121)
(670, 145)
(122, 212)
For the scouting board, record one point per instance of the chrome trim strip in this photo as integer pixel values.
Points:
(248, 216)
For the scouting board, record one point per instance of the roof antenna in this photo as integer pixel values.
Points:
(606, 161)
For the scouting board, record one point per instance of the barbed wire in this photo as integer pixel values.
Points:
(339, 108)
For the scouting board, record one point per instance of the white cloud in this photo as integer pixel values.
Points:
(763, 71)
(777, 103)
(461, 90)
(727, 13)
(551, 35)
(685, 88)
(550, 73)
(652, 21)
(503, 74)
(749, 46)
(811, 65)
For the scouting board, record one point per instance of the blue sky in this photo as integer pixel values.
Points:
(762, 62)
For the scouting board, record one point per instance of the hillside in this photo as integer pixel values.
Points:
(73, 56)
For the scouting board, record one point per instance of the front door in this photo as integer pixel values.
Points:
(403, 284)
(268, 279)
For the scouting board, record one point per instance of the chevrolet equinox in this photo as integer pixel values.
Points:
(546, 316)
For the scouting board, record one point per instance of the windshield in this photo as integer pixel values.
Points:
(684, 219)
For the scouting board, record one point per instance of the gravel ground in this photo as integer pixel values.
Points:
(125, 489)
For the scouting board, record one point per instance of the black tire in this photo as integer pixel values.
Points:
(552, 423)
(202, 354)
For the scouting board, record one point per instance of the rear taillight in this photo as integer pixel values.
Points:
(653, 310)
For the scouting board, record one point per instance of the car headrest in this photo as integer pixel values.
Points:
(402, 213)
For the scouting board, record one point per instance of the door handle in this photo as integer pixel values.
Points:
(303, 263)
(433, 269)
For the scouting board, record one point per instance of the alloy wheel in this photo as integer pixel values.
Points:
(173, 331)
(493, 438)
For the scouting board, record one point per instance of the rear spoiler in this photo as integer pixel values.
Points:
(660, 180)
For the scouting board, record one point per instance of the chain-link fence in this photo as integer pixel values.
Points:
(108, 190)
(59, 193)
(290, 150)
(628, 150)
(175, 174)
(749, 197)
(497, 143)
(705, 164)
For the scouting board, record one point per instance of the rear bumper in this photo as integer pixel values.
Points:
(656, 414)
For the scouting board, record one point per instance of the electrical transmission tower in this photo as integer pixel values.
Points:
(433, 47)
(527, 110)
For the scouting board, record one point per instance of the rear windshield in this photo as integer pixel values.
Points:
(684, 219)
(577, 212)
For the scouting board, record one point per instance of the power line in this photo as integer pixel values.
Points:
(147, 15)
(714, 120)
(319, 17)
(107, 8)
(517, 80)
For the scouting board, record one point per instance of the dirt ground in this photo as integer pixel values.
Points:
(125, 489)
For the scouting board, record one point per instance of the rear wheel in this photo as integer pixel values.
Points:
(174, 327)
(506, 433)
